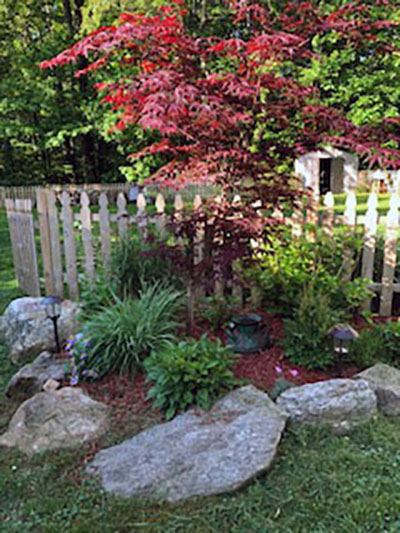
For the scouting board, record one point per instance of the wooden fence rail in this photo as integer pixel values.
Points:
(75, 240)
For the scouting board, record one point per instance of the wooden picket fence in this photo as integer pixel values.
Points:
(76, 242)
(63, 232)
(30, 192)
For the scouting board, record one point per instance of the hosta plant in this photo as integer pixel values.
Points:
(193, 372)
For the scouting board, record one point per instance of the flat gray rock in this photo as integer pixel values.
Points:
(65, 418)
(385, 381)
(198, 453)
(339, 404)
(30, 378)
(26, 331)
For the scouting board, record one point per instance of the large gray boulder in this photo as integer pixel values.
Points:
(339, 404)
(198, 453)
(30, 378)
(26, 331)
(385, 381)
(51, 420)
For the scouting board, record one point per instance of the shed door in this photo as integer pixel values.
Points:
(337, 175)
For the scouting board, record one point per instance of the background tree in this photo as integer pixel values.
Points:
(49, 122)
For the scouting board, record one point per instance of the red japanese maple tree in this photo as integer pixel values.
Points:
(231, 111)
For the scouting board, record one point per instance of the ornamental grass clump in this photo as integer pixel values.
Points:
(122, 335)
(193, 372)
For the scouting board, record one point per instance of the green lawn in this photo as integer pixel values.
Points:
(361, 209)
(318, 484)
(8, 285)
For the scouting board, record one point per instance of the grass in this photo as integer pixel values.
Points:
(361, 209)
(318, 484)
(8, 284)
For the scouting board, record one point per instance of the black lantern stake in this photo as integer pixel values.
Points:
(343, 335)
(53, 308)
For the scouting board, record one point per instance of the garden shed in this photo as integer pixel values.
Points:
(327, 170)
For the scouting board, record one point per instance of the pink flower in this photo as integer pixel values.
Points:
(294, 372)
(278, 369)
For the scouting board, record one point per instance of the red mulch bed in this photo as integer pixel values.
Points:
(127, 396)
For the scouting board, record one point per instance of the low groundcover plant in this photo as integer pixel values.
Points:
(193, 372)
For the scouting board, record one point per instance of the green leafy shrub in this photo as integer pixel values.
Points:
(136, 262)
(193, 372)
(287, 266)
(306, 341)
(122, 335)
(96, 296)
(378, 344)
(218, 310)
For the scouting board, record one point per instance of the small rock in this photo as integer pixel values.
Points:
(26, 331)
(385, 381)
(30, 378)
(51, 385)
(198, 453)
(51, 420)
(339, 404)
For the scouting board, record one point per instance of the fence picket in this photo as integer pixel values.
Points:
(14, 235)
(328, 215)
(350, 211)
(368, 255)
(69, 246)
(20, 220)
(122, 215)
(141, 205)
(104, 221)
(31, 272)
(178, 214)
(55, 245)
(297, 221)
(160, 217)
(87, 237)
(389, 257)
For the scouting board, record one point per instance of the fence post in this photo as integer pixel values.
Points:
(50, 241)
(389, 257)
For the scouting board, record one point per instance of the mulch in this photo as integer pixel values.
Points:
(126, 396)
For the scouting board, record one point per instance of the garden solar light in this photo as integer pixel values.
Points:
(343, 335)
(53, 308)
